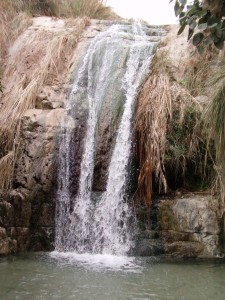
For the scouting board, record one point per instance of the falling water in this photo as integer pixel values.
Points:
(102, 226)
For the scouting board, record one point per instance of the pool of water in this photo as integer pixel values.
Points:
(101, 277)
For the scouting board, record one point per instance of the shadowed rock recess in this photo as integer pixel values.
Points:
(56, 130)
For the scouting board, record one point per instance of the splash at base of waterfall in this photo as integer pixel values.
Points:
(98, 262)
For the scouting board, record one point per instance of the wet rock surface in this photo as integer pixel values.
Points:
(30, 205)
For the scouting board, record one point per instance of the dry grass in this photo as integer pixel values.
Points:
(51, 58)
(214, 116)
(175, 130)
(51, 52)
(6, 170)
(12, 24)
(73, 8)
(15, 15)
(197, 72)
(160, 97)
(153, 109)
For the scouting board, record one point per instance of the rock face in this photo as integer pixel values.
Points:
(189, 226)
(186, 227)
(223, 233)
(27, 213)
(15, 213)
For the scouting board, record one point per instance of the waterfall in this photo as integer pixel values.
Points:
(102, 225)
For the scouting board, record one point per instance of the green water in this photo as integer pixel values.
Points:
(45, 276)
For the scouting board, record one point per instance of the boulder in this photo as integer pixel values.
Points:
(187, 220)
(184, 249)
(31, 204)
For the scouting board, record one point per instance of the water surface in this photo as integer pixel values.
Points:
(100, 277)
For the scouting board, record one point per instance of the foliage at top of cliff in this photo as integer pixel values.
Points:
(15, 15)
(205, 19)
(60, 8)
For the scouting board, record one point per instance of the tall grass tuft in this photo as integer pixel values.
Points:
(52, 60)
(15, 14)
(214, 117)
(162, 119)
(6, 170)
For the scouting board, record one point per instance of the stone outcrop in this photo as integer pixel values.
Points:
(186, 227)
(189, 227)
(27, 212)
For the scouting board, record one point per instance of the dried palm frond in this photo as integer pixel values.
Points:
(6, 170)
(160, 98)
(214, 117)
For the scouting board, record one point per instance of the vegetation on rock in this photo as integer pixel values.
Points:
(173, 148)
(204, 16)
(51, 59)
(205, 20)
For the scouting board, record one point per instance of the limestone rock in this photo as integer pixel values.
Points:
(184, 249)
(21, 236)
(190, 219)
(3, 234)
(36, 159)
(4, 247)
(50, 97)
(31, 204)
(194, 215)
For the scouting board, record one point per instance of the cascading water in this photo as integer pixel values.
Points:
(104, 225)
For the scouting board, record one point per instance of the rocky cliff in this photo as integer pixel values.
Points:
(186, 226)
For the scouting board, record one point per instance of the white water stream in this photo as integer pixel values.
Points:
(103, 226)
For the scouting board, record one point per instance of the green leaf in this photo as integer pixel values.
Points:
(200, 49)
(219, 26)
(223, 24)
(202, 26)
(183, 2)
(218, 33)
(190, 33)
(212, 22)
(181, 28)
(223, 36)
(177, 8)
(202, 23)
(203, 14)
(219, 45)
(182, 16)
(209, 40)
(191, 11)
(197, 38)
(193, 24)
(216, 39)
(204, 18)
